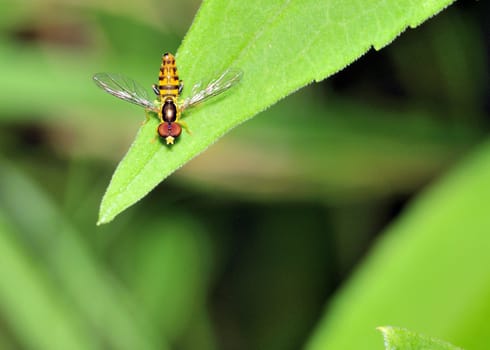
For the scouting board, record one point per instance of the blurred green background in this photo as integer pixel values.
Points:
(251, 244)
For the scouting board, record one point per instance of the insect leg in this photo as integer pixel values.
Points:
(147, 117)
(155, 89)
(185, 126)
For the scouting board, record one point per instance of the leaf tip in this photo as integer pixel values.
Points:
(402, 338)
(104, 219)
(385, 331)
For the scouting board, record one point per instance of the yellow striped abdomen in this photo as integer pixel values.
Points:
(169, 84)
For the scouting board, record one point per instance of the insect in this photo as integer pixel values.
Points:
(168, 105)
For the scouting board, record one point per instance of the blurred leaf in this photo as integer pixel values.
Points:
(103, 304)
(280, 47)
(64, 86)
(429, 272)
(403, 339)
(30, 304)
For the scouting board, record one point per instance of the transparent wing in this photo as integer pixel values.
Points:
(225, 81)
(124, 88)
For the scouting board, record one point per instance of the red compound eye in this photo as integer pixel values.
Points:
(169, 129)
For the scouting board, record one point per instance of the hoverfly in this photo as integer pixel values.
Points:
(167, 105)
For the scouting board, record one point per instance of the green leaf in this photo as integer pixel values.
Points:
(280, 46)
(427, 271)
(403, 339)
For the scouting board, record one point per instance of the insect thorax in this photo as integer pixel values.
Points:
(169, 111)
